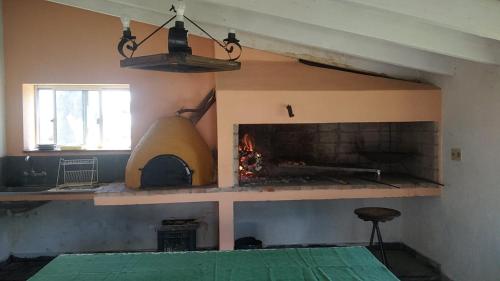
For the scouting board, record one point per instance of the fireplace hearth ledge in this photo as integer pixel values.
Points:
(118, 194)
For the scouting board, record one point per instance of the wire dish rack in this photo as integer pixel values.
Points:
(77, 173)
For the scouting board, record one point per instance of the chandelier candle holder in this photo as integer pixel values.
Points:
(179, 57)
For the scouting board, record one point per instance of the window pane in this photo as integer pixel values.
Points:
(93, 120)
(69, 117)
(116, 118)
(45, 114)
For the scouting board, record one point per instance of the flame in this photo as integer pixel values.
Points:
(250, 161)
(247, 143)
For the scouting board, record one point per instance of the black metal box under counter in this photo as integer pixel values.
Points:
(177, 235)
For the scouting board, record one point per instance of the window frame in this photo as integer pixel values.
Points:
(84, 89)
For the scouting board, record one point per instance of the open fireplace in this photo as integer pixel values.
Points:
(383, 153)
(280, 122)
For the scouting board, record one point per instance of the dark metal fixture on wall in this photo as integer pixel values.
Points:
(179, 57)
(290, 111)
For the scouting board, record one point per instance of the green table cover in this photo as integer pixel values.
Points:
(305, 264)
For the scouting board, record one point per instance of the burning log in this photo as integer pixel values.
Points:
(250, 161)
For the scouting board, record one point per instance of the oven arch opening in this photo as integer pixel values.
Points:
(166, 170)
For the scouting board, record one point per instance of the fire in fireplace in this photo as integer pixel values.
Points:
(338, 153)
(250, 161)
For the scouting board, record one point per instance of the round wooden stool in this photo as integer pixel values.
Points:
(376, 215)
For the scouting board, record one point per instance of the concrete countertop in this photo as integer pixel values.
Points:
(118, 194)
(42, 193)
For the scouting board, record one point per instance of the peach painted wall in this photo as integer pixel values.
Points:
(48, 43)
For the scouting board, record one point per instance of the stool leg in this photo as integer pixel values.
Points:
(381, 245)
(373, 233)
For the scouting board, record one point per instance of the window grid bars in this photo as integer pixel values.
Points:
(84, 91)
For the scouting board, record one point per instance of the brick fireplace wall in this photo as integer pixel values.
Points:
(424, 139)
(341, 143)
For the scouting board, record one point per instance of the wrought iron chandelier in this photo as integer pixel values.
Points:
(179, 57)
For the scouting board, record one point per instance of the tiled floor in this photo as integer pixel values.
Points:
(407, 267)
(22, 269)
(404, 264)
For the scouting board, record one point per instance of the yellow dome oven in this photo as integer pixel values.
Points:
(171, 153)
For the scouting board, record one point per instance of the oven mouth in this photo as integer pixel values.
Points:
(165, 171)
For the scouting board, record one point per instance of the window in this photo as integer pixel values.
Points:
(91, 117)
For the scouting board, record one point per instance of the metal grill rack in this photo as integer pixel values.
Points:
(77, 173)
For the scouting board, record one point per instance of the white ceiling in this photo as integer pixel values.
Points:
(424, 35)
